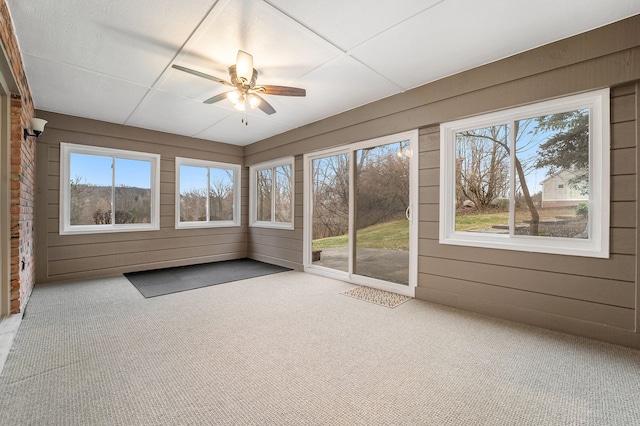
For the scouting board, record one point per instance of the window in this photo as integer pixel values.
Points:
(207, 193)
(271, 201)
(533, 178)
(108, 190)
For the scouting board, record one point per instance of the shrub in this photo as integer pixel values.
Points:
(582, 210)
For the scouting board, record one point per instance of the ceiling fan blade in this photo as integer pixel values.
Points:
(281, 90)
(216, 98)
(244, 65)
(201, 74)
(264, 105)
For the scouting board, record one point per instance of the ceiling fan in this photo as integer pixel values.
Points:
(243, 79)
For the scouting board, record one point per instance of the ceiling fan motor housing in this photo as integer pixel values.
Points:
(241, 83)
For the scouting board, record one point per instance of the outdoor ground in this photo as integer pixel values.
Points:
(556, 222)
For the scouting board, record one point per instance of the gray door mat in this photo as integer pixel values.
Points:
(159, 282)
(377, 296)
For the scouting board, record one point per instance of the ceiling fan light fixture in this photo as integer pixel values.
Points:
(233, 96)
(240, 105)
(254, 101)
(244, 66)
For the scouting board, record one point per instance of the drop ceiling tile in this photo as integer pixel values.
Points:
(187, 85)
(98, 59)
(458, 35)
(130, 40)
(60, 88)
(349, 23)
(175, 114)
(340, 85)
(233, 130)
(282, 49)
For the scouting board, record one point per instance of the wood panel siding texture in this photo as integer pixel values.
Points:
(93, 255)
(597, 298)
(282, 246)
(570, 290)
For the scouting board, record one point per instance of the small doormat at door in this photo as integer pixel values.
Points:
(159, 282)
(379, 297)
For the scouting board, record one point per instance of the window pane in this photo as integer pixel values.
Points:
(330, 220)
(559, 177)
(283, 190)
(381, 190)
(552, 175)
(220, 194)
(264, 181)
(90, 189)
(482, 180)
(193, 194)
(132, 192)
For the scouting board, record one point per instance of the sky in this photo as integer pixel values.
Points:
(527, 148)
(96, 170)
(196, 177)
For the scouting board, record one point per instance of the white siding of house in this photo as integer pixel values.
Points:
(557, 191)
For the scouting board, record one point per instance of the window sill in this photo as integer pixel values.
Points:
(199, 225)
(561, 246)
(271, 225)
(90, 229)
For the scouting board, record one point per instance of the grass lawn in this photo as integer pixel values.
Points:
(471, 222)
(395, 235)
(478, 221)
(390, 235)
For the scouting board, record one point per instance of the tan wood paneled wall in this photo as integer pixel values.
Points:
(584, 294)
(593, 297)
(92, 255)
(282, 246)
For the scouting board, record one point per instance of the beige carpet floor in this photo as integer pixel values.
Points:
(289, 349)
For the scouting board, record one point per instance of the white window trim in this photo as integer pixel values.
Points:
(253, 194)
(66, 149)
(237, 169)
(597, 245)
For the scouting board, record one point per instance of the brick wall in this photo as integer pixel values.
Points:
(22, 173)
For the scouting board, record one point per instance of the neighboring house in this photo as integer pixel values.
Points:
(558, 190)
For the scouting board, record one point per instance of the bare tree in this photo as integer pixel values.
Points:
(382, 184)
(331, 196)
(283, 181)
(80, 195)
(264, 189)
(482, 168)
(486, 177)
(381, 187)
(132, 204)
(193, 205)
(221, 197)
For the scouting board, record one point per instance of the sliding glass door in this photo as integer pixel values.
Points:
(359, 213)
